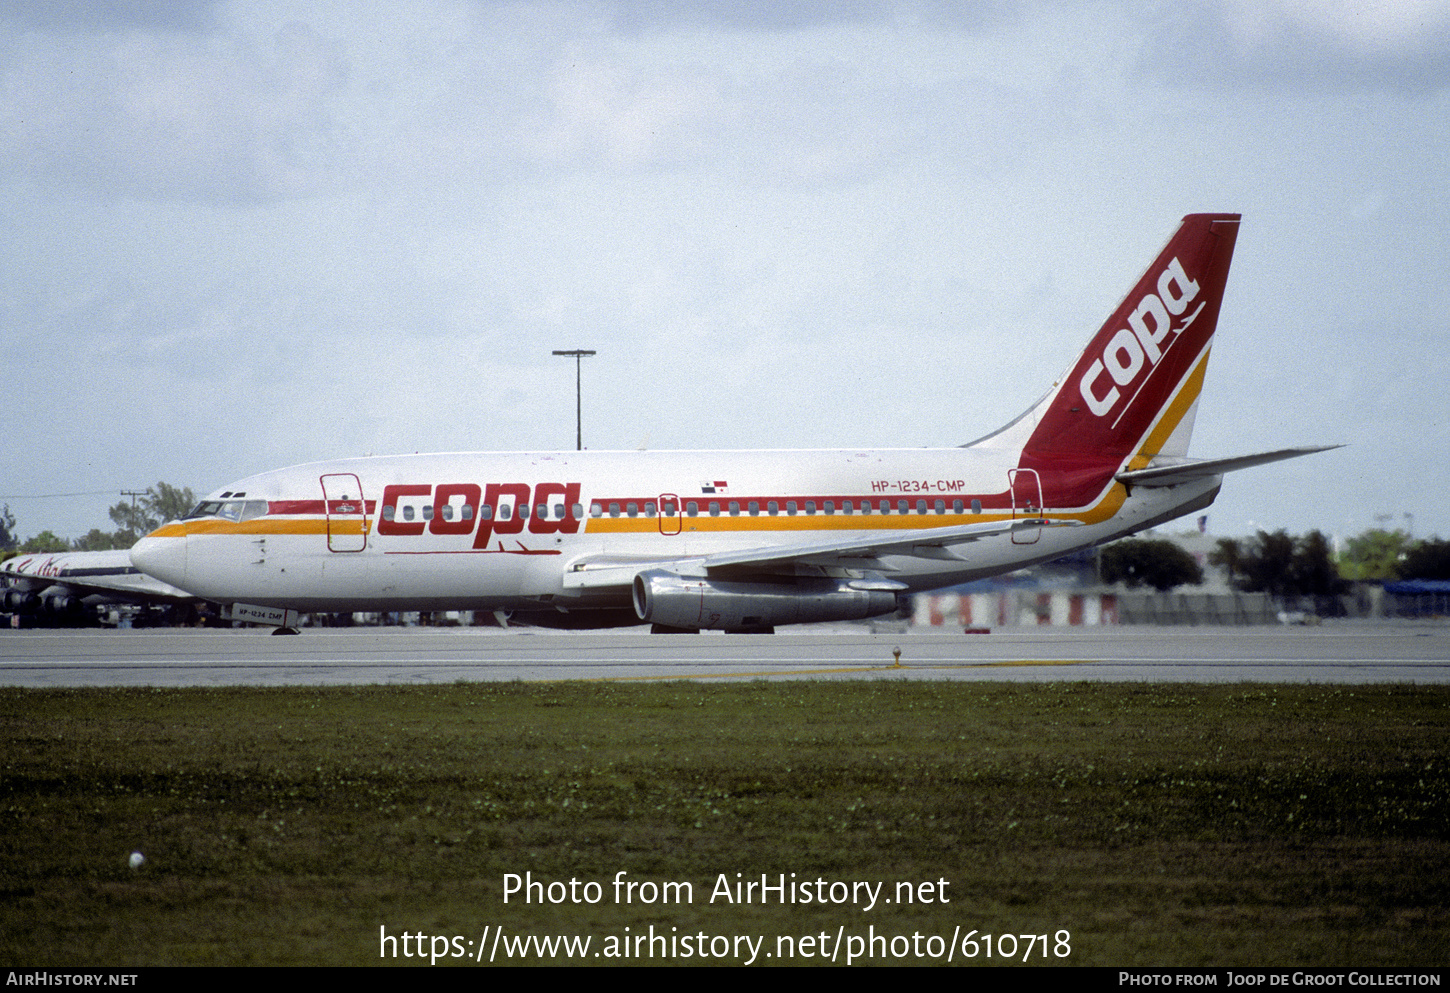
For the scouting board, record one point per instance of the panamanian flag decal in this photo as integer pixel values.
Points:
(717, 486)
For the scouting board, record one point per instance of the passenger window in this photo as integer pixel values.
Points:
(941, 506)
(810, 506)
(649, 508)
(614, 510)
(505, 511)
(632, 509)
(558, 511)
(734, 508)
(903, 507)
(579, 512)
(485, 512)
(407, 512)
(468, 511)
(956, 506)
(830, 506)
(714, 508)
(427, 511)
(596, 509)
(447, 511)
(976, 506)
(921, 506)
(692, 509)
(754, 508)
(773, 508)
(790, 506)
(388, 512)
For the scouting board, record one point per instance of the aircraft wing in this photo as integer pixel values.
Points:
(109, 575)
(861, 553)
(1173, 472)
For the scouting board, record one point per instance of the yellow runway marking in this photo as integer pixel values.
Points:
(828, 672)
(990, 665)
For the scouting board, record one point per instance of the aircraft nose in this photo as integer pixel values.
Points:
(161, 558)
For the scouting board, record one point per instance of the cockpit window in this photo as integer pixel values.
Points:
(229, 510)
(207, 508)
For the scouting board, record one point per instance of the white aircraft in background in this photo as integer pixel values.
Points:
(60, 585)
(738, 540)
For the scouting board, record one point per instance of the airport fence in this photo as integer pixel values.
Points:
(1033, 608)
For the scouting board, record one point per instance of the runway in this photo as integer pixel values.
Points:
(1417, 653)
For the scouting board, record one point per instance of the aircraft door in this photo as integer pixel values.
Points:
(1026, 502)
(671, 519)
(347, 520)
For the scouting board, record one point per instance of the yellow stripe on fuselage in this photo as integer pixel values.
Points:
(786, 522)
(262, 525)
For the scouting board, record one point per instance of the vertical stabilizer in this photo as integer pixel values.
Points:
(1134, 389)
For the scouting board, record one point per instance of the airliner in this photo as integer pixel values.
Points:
(738, 541)
(60, 585)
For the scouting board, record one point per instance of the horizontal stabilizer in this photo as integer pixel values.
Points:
(1187, 470)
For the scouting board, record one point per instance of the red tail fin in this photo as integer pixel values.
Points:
(1135, 386)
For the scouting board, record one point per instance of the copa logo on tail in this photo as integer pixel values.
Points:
(1130, 350)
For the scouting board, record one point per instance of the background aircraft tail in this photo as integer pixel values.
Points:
(1134, 389)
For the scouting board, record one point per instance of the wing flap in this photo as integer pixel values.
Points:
(108, 574)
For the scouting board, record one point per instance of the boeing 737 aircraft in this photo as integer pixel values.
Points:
(735, 540)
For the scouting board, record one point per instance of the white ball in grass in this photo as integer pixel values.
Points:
(137, 860)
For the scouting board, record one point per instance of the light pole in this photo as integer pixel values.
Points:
(578, 354)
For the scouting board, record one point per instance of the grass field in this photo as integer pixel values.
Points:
(1187, 825)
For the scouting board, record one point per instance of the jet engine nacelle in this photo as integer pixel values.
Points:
(61, 603)
(671, 600)
(20, 602)
(55, 600)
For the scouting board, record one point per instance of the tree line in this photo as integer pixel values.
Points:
(134, 519)
(1282, 565)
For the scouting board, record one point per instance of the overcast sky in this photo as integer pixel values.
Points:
(239, 236)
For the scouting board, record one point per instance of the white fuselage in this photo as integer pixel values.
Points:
(374, 533)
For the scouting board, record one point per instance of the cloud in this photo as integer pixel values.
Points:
(112, 15)
(1393, 28)
(1312, 46)
(170, 116)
